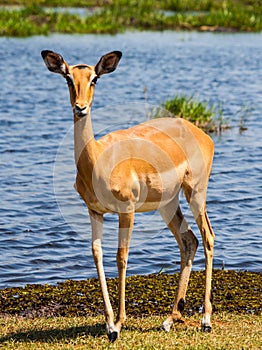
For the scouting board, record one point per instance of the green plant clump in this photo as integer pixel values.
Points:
(209, 118)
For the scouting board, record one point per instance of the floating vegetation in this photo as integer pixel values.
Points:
(154, 294)
(208, 118)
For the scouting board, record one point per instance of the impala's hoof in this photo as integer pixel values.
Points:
(112, 336)
(206, 324)
(206, 328)
(166, 326)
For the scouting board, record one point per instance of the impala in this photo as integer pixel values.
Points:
(139, 169)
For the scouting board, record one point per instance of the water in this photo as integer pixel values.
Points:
(44, 226)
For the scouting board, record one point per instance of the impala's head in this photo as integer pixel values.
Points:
(81, 78)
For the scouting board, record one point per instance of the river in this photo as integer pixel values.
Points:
(44, 227)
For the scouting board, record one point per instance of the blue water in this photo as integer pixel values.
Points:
(44, 226)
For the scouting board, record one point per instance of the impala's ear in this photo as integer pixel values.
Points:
(55, 62)
(108, 63)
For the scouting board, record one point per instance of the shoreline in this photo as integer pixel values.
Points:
(233, 291)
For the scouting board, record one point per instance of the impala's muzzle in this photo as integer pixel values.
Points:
(80, 111)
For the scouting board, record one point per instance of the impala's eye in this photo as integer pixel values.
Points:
(93, 82)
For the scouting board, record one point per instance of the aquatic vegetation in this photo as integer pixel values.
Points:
(24, 22)
(232, 292)
(120, 15)
(209, 118)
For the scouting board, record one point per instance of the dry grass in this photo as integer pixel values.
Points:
(230, 331)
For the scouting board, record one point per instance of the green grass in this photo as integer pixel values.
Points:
(202, 114)
(120, 15)
(230, 331)
(52, 3)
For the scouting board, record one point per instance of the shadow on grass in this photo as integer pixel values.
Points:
(136, 328)
(55, 334)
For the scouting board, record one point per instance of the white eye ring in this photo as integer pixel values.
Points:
(94, 81)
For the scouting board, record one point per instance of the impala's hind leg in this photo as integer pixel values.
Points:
(197, 202)
(187, 243)
(208, 238)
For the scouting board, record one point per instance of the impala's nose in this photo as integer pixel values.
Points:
(80, 111)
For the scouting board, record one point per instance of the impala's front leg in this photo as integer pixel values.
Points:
(97, 231)
(126, 222)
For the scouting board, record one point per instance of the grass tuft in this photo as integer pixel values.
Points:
(208, 118)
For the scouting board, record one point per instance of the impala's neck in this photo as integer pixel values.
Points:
(85, 144)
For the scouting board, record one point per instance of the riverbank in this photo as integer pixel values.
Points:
(70, 314)
(232, 292)
(44, 17)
